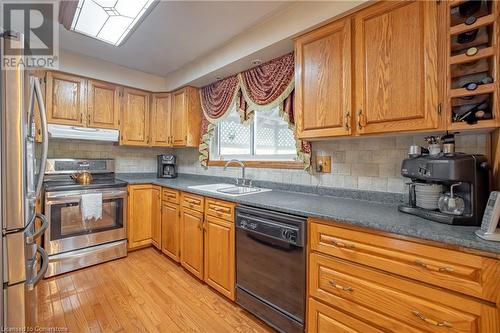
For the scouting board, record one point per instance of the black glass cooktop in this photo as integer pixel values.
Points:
(66, 183)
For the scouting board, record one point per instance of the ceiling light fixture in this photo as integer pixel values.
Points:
(256, 62)
(110, 21)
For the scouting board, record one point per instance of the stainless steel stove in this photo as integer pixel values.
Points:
(72, 241)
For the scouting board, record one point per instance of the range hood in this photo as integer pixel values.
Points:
(82, 133)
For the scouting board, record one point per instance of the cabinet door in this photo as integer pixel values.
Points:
(66, 102)
(161, 120)
(322, 319)
(396, 67)
(323, 81)
(103, 104)
(219, 255)
(192, 241)
(139, 215)
(135, 118)
(179, 119)
(156, 217)
(170, 214)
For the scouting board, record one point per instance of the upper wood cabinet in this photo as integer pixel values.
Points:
(186, 117)
(323, 81)
(135, 119)
(161, 120)
(103, 100)
(396, 67)
(65, 99)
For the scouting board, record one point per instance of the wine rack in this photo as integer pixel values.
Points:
(472, 64)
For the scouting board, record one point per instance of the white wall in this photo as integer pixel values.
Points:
(99, 69)
(286, 24)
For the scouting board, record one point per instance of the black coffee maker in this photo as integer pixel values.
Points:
(465, 176)
(166, 166)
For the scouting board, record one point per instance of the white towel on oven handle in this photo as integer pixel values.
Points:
(91, 206)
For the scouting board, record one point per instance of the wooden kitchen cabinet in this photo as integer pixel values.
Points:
(192, 241)
(220, 255)
(161, 120)
(323, 81)
(66, 100)
(397, 285)
(186, 117)
(170, 228)
(144, 216)
(396, 67)
(135, 121)
(156, 217)
(103, 109)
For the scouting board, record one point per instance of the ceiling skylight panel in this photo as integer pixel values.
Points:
(110, 21)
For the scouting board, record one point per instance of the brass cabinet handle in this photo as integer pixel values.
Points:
(333, 283)
(171, 195)
(191, 201)
(343, 245)
(360, 114)
(347, 116)
(430, 321)
(219, 209)
(443, 269)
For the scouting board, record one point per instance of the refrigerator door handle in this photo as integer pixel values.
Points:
(37, 91)
(43, 269)
(32, 237)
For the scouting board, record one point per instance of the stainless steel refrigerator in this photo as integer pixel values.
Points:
(23, 261)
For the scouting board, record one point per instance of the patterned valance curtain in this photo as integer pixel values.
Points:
(263, 87)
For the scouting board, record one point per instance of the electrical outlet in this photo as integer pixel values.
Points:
(323, 164)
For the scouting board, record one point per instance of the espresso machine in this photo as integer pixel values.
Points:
(446, 187)
(166, 166)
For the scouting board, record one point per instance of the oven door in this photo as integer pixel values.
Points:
(67, 231)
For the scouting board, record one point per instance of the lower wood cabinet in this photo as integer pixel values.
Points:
(325, 319)
(170, 227)
(156, 217)
(144, 215)
(220, 255)
(346, 293)
(192, 241)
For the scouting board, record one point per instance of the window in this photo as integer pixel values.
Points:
(110, 21)
(267, 138)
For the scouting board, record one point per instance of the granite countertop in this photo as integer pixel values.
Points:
(376, 215)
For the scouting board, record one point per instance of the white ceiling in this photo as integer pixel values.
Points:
(176, 33)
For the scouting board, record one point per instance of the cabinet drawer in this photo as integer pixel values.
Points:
(170, 195)
(425, 308)
(193, 201)
(463, 272)
(322, 319)
(221, 209)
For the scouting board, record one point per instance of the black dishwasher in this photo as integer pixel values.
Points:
(271, 266)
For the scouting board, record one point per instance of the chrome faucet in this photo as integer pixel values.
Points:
(242, 165)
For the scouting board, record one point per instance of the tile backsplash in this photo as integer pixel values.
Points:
(357, 163)
(127, 159)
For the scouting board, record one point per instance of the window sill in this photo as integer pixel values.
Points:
(264, 164)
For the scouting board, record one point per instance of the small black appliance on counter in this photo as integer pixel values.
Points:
(166, 166)
(436, 178)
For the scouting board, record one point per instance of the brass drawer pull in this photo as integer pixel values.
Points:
(440, 269)
(343, 245)
(192, 202)
(446, 269)
(219, 209)
(430, 321)
(333, 283)
(170, 195)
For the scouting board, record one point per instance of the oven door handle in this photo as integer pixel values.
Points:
(77, 197)
(43, 269)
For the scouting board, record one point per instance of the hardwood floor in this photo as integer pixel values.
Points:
(145, 292)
